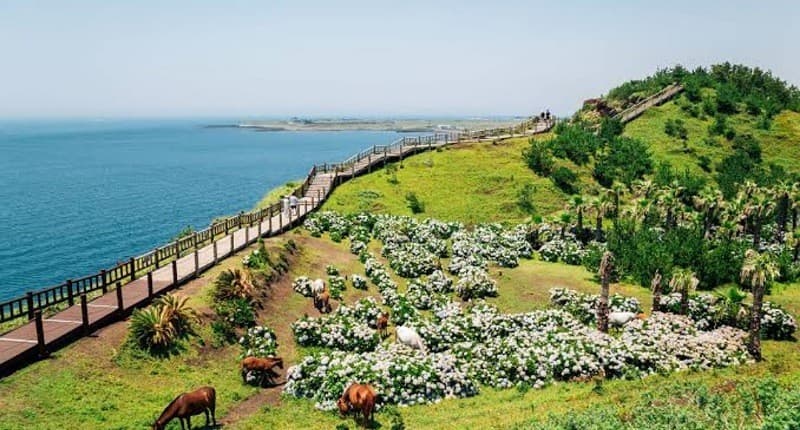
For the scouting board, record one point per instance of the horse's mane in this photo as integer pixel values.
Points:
(164, 412)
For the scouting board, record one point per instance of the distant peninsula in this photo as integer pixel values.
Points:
(404, 125)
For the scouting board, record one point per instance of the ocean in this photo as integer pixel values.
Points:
(78, 195)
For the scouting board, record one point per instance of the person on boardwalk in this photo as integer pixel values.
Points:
(285, 205)
(293, 201)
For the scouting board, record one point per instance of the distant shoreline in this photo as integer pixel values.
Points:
(427, 125)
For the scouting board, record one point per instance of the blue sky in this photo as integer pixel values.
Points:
(276, 58)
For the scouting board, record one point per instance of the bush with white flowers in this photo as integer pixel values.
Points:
(567, 250)
(359, 282)
(419, 295)
(345, 329)
(336, 286)
(401, 376)
(302, 285)
(584, 306)
(259, 341)
(475, 283)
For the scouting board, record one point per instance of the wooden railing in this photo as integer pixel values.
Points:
(69, 291)
(656, 99)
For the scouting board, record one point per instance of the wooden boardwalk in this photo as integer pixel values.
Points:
(145, 278)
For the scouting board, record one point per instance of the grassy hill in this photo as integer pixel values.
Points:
(469, 182)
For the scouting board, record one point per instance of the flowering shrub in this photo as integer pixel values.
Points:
(584, 306)
(345, 329)
(331, 270)
(403, 311)
(567, 250)
(336, 286)
(475, 283)
(258, 259)
(438, 282)
(380, 277)
(481, 345)
(709, 311)
(400, 375)
(411, 260)
(259, 341)
(359, 282)
(302, 285)
(419, 295)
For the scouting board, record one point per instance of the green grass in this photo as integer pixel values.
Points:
(274, 195)
(779, 143)
(476, 182)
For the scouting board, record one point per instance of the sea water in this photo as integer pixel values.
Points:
(78, 195)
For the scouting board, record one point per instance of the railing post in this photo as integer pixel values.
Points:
(70, 297)
(103, 281)
(369, 163)
(150, 285)
(260, 221)
(246, 234)
(239, 219)
(216, 257)
(319, 196)
(280, 221)
(133, 268)
(177, 249)
(270, 219)
(29, 300)
(158, 257)
(232, 243)
(40, 334)
(120, 304)
(226, 226)
(174, 273)
(353, 170)
(196, 262)
(385, 156)
(84, 314)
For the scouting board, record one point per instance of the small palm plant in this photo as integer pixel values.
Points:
(606, 267)
(758, 271)
(152, 329)
(233, 284)
(683, 281)
(158, 328)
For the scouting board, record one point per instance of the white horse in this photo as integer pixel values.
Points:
(408, 336)
(619, 319)
(317, 287)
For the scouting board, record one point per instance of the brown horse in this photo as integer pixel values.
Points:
(382, 323)
(322, 302)
(360, 398)
(202, 400)
(263, 366)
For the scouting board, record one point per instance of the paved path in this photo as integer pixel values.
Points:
(21, 346)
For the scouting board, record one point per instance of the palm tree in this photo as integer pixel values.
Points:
(710, 202)
(793, 240)
(615, 194)
(758, 271)
(683, 281)
(577, 205)
(758, 207)
(795, 203)
(606, 267)
(668, 200)
(655, 284)
(782, 195)
(644, 188)
(601, 207)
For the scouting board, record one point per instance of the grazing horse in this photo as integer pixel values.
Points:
(317, 286)
(322, 302)
(619, 319)
(262, 365)
(408, 336)
(358, 398)
(381, 324)
(202, 400)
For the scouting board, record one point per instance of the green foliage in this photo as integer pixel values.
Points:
(526, 198)
(704, 161)
(539, 157)
(158, 328)
(184, 232)
(565, 179)
(576, 142)
(626, 160)
(726, 99)
(610, 128)
(233, 284)
(676, 128)
(414, 203)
